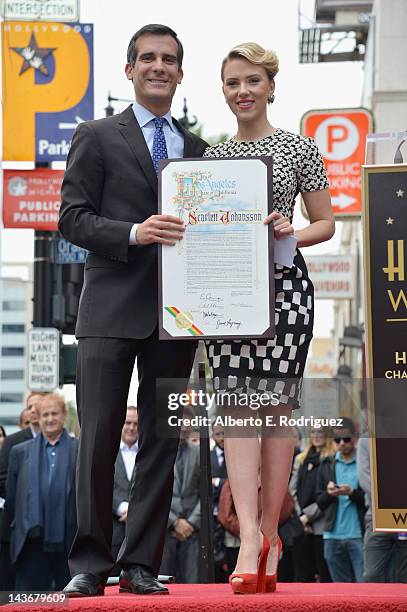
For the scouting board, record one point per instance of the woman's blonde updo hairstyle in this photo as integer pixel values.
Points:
(255, 54)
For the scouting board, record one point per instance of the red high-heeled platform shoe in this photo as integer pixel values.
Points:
(248, 583)
(271, 579)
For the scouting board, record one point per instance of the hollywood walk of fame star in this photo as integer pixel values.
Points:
(389, 221)
(33, 56)
(400, 193)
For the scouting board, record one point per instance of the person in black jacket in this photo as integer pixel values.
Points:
(342, 499)
(7, 572)
(181, 550)
(309, 547)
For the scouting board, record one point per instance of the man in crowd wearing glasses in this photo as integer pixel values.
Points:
(342, 500)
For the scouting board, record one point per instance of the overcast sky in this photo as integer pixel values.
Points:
(208, 30)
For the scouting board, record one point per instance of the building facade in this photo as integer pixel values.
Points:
(15, 320)
(385, 94)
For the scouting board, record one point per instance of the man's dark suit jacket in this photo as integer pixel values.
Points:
(18, 495)
(9, 442)
(120, 297)
(218, 471)
(121, 492)
(186, 501)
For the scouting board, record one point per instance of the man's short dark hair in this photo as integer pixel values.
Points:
(158, 30)
(347, 424)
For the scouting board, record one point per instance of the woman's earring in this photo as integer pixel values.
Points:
(271, 99)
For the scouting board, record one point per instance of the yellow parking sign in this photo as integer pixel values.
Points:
(47, 87)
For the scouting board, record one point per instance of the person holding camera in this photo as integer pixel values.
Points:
(341, 498)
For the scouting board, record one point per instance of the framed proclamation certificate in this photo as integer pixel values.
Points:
(218, 281)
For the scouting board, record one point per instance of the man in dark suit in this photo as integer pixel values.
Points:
(7, 572)
(123, 472)
(109, 206)
(219, 475)
(181, 550)
(218, 464)
(41, 501)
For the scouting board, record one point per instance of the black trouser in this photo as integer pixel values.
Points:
(119, 531)
(231, 558)
(309, 559)
(105, 366)
(385, 557)
(7, 571)
(38, 571)
(181, 559)
(219, 551)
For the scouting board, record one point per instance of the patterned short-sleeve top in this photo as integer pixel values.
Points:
(297, 164)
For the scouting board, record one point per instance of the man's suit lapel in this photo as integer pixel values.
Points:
(188, 142)
(221, 466)
(134, 137)
(122, 473)
(177, 480)
(28, 434)
(187, 467)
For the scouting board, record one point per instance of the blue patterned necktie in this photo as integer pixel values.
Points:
(159, 144)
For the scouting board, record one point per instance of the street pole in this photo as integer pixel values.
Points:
(42, 312)
(206, 565)
(185, 121)
(109, 110)
(43, 241)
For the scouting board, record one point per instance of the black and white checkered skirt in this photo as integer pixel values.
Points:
(271, 365)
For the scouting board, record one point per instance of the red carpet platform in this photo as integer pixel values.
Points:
(218, 597)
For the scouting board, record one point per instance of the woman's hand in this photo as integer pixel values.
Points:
(282, 225)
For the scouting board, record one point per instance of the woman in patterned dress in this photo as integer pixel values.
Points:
(248, 366)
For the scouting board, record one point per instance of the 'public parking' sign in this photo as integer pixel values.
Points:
(341, 138)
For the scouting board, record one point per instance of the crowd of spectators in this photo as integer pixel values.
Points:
(325, 522)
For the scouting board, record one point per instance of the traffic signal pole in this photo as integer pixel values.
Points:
(43, 241)
(42, 313)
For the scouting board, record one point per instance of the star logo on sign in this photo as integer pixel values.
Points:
(33, 56)
(389, 221)
(17, 186)
(400, 193)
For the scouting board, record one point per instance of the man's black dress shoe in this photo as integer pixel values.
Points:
(139, 580)
(85, 585)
